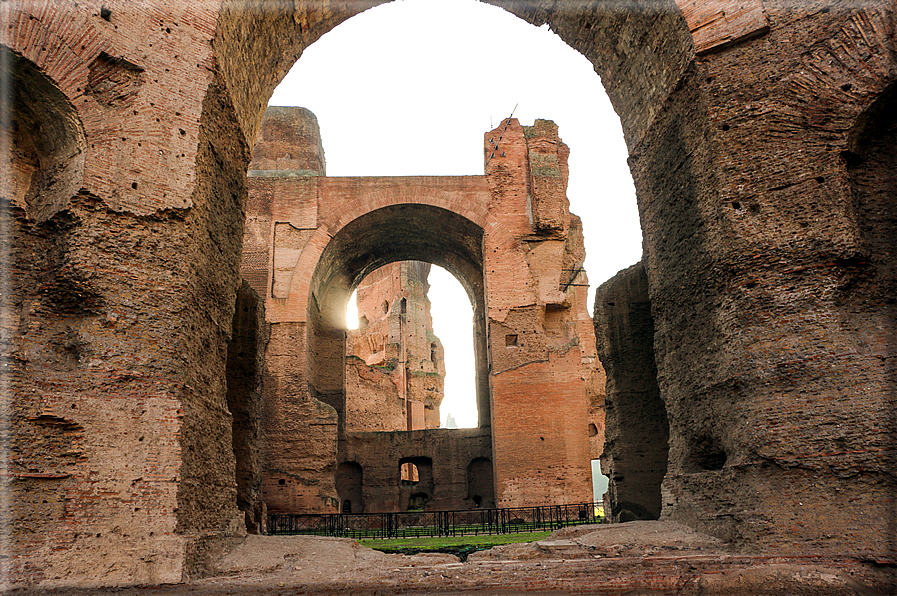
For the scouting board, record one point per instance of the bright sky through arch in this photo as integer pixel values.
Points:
(411, 87)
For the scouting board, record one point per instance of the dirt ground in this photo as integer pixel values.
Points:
(635, 559)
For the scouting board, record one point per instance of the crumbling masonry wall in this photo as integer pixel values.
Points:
(395, 369)
(760, 165)
(636, 445)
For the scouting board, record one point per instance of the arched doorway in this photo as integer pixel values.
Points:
(391, 234)
(349, 487)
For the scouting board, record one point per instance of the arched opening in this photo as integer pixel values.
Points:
(46, 141)
(480, 485)
(349, 487)
(416, 484)
(606, 258)
(406, 237)
(387, 235)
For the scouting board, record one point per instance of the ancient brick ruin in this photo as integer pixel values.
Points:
(395, 369)
(310, 239)
(138, 377)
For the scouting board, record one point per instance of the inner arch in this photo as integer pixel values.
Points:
(404, 232)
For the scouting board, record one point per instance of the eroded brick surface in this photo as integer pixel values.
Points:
(762, 173)
(327, 234)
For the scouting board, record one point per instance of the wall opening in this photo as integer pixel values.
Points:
(599, 483)
(480, 484)
(48, 142)
(350, 487)
(409, 475)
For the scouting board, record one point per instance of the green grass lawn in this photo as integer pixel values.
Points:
(456, 545)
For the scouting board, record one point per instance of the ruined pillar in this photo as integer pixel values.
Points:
(636, 445)
(395, 369)
(539, 404)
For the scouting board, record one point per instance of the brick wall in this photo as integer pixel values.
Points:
(760, 229)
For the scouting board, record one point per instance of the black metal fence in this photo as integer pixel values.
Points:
(436, 523)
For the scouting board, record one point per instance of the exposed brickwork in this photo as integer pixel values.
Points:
(342, 229)
(539, 407)
(716, 24)
(765, 239)
(576, 280)
(395, 369)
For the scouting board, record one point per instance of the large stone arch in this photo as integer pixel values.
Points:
(641, 55)
(354, 198)
(750, 237)
(752, 248)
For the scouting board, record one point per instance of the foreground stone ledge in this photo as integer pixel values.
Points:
(695, 574)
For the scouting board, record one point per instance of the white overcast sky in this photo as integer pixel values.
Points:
(409, 88)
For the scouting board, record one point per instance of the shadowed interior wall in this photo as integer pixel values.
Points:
(245, 371)
(637, 433)
(871, 162)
